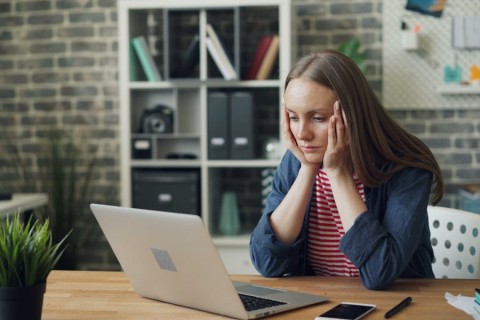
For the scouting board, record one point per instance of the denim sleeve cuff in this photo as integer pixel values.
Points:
(366, 229)
(267, 237)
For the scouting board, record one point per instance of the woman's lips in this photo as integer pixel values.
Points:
(309, 149)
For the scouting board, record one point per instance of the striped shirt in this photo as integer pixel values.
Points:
(325, 231)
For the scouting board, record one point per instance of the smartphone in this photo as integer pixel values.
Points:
(347, 311)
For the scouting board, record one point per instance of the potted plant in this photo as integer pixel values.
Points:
(27, 255)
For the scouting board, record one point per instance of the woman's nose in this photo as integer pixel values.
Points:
(303, 132)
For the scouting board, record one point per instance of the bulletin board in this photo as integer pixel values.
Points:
(412, 79)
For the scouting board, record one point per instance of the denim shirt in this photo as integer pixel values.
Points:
(389, 240)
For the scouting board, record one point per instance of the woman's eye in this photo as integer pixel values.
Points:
(319, 119)
(292, 118)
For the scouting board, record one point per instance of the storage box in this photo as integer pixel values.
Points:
(167, 190)
(469, 197)
(141, 148)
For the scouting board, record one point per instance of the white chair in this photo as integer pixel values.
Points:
(456, 242)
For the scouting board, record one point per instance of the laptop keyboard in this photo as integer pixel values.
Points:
(255, 303)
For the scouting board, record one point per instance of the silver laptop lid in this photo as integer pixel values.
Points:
(170, 257)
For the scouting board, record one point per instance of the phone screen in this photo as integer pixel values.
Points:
(347, 311)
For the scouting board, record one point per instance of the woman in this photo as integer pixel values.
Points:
(350, 195)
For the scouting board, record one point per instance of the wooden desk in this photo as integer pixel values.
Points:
(23, 202)
(108, 295)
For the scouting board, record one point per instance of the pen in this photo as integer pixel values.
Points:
(398, 307)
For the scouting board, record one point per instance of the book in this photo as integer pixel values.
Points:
(260, 52)
(133, 62)
(214, 52)
(217, 51)
(190, 59)
(269, 60)
(146, 60)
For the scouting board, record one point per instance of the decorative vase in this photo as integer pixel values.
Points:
(22, 303)
(229, 217)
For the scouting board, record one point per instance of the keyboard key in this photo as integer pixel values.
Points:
(256, 303)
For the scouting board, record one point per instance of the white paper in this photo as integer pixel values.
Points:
(472, 30)
(466, 304)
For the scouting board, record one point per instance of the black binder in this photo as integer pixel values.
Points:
(217, 127)
(241, 125)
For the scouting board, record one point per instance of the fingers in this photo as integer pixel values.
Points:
(284, 118)
(337, 135)
(332, 132)
(285, 124)
(345, 137)
(344, 118)
(339, 123)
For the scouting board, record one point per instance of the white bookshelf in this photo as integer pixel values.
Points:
(188, 97)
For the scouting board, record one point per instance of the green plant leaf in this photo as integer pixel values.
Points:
(27, 252)
(351, 48)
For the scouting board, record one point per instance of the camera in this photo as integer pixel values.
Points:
(157, 119)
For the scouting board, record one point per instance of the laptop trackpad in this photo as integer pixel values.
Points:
(256, 290)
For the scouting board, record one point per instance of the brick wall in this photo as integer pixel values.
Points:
(58, 67)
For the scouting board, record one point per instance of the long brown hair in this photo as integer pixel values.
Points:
(379, 146)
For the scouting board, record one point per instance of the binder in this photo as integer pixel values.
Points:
(217, 128)
(241, 125)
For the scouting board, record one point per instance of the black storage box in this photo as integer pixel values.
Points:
(142, 148)
(167, 190)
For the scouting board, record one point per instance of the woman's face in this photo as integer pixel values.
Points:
(309, 106)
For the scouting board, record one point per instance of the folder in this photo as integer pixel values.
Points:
(217, 127)
(241, 125)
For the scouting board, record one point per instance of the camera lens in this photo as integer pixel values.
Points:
(158, 125)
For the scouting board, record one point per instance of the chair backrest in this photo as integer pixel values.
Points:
(456, 242)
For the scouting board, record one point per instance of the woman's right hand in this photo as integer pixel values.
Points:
(291, 142)
(288, 137)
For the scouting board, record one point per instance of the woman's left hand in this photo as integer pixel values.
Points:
(337, 156)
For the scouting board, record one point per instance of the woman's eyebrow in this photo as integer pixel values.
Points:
(320, 109)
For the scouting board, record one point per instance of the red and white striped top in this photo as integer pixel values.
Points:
(325, 231)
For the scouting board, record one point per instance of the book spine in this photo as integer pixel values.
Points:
(214, 52)
(269, 60)
(260, 52)
(190, 59)
(146, 60)
(232, 74)
(132, 61)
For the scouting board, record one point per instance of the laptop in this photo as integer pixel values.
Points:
(170, 257)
